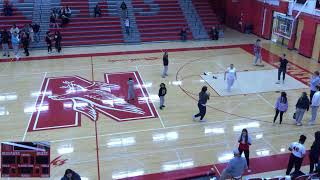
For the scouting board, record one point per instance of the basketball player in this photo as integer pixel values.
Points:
(204, 96)
(165, 64)
(231, 75)
(282, 68)
(298, 152)
(257, 53)
(131, 94)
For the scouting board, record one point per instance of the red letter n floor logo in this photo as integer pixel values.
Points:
(62, 101)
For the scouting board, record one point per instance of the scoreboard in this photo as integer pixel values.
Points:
(25, 159)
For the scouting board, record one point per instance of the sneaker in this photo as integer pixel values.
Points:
(161, 107)
(4, 55)
(278, 82)
(311, 123)
(299, 124)
(8, 55)
(249, 170)
(202, 120)
(193, 117)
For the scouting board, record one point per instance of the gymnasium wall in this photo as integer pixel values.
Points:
(250, 12)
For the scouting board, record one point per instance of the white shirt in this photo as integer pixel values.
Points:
(231, 73)
(316, 99)
(127, 23)
(298, 149)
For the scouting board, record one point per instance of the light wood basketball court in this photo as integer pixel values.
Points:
(171, 141)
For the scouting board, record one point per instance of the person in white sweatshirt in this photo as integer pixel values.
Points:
(315, 106)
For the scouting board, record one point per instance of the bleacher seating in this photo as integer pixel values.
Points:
(206, 13)
(161, 21)
(84, 29)
(22, 14)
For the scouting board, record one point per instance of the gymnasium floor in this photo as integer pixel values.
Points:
(76, 102)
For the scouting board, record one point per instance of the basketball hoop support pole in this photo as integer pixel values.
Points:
(302, 8)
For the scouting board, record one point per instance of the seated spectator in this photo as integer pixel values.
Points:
(214, 33)
(68, 12)
(127, 25)
(5, 36)
(70, 175)
(236, 166)
(183, 34)
(64, 20)
(36, 31)
(7, 9)
(53, 21)
(14, 29)
(124, 8)
(97, 11)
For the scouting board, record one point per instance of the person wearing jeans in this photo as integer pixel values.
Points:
(314, 82)
(203, 98)
(161, 94)
(315, 106)
(281, 106)
(257, 53)
(282, 68)
(15, 40)
(301, 107)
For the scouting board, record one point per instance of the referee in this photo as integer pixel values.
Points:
(297, 153)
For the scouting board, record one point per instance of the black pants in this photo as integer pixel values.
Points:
(246, 154)
(313, 161)
(49, 47)
(58, 46)
(26, 50)
(276, 115)
(202, 111)
(283, 71)
(294, 161)
(97, 13)
(311, 95)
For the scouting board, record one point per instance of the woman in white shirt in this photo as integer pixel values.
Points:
(231, 75)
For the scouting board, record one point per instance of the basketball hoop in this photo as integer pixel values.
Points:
(283, 26)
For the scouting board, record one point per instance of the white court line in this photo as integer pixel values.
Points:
(163, 126)
(155, 129)
(35, 103)
(265, 100)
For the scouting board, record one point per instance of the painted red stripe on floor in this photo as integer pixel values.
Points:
(257, 165)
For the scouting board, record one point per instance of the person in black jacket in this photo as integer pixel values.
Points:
(282, 68)
(49, 42)
(124, 8)
(36, 31)
(301, 107)
(183, 34)
(25, 39)
(314, 153)
(214, 33)
(161, 94)
(165, 60)
(5, 36)
(97, 11)
(57, 39)
(70, 175)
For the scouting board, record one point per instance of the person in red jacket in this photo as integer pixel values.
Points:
(244, 143)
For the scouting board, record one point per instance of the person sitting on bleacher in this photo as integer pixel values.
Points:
(14, 29)
(64, 18)
(97, 11)
(235, 168)
(124, 8)
(70, 175)
(7, 9)
(68, 11)
(183, 34)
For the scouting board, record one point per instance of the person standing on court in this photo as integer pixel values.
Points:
(57, 39)
(131, 94)
(315, 153)
(244, 143)
(281, 106)
(15, 41)
(235, 168)
(257, 53)
(301, 107)
(282, 68)
(161, 94)
(314, 82)
(298, 152)
(231, 76)
(315, 106)
(49, 42)
(165, 61)
(204, 96)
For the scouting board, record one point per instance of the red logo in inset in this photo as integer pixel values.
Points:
(62, 101)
